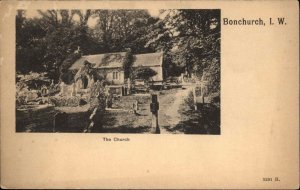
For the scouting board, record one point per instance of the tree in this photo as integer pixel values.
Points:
(198, 38)
(127, 64)
(190, 39)
(43, 44)
(66, 75)
(144, 73)
(29, 44)
(118, 30)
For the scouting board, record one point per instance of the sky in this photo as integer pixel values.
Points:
(92, 21)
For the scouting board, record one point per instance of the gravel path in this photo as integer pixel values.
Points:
(170, 104)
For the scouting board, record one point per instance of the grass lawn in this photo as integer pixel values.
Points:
(124, 120)
(176, 115)
(41, 118)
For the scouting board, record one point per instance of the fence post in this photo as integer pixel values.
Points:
(154, 107)
(195, 99)
(128, 86)
(135, 106)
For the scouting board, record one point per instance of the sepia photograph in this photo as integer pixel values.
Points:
(153, 71)
(118, 94)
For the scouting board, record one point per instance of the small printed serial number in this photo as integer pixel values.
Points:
(270, 179)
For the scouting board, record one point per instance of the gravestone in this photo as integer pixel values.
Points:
(31, 96)
(73, 92)
(63, 88)
(60, 123)
(135, 106)
(123, 91)
(106, 91)
(52, 87)
(109, 101)
(182, 78)
(204, 88)
(195, 98)
(154, 107)
(44, 91)
(57, 88)
(128, 86)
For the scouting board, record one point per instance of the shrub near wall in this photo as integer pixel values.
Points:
(65, 101)
(98, 96)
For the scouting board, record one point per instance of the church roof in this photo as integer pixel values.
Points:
(116, 60)
(108, 60)
(148, 59)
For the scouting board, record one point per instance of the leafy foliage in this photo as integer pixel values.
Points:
(65, 101)
(30, 48)
(66, 75)
(127, 63)
(143, 73)
(98, 96)
(189, 38)
(118, 30)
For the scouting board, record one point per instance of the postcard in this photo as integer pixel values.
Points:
(149, 94)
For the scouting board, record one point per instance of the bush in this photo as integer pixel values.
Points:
(212, 75)
(98, 96)
(65, 101)
(190, 100)
(143, 73)
(20, 100)
(67, 63)
(67, 77)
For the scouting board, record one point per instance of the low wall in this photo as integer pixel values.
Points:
(40, 119)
